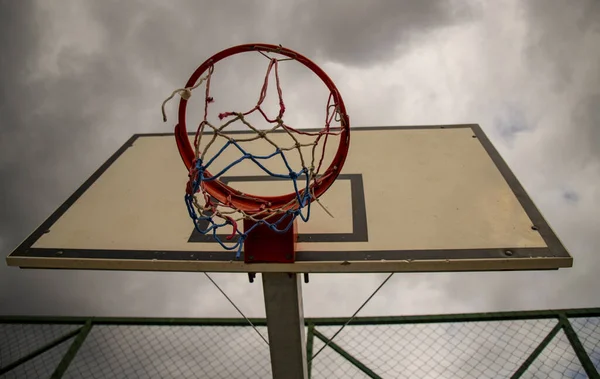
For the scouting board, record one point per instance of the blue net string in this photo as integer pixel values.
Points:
(275, 222)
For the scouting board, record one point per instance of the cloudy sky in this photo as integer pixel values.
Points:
(79, 77)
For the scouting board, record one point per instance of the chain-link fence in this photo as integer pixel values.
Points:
(542, 344)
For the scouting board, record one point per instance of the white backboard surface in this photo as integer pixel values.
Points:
(416, 198)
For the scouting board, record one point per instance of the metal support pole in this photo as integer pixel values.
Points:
(285, 322)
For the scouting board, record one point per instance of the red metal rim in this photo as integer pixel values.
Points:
(229, 195)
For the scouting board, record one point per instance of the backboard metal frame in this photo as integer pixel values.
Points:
(552, 256)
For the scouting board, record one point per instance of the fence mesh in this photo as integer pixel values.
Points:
(558, 360)
(532, 345)
(330, 364)
(18, 341)
(588, 330)
(448, 350)
(178, 352)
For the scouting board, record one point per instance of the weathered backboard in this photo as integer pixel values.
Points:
(422, 198)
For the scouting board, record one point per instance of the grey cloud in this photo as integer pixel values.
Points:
(18, 42)
(511, 123)
(571, 196)
(586, 119)
(563, 49)
(348, 33)
(365, 33)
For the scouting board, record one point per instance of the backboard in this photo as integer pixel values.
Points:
(409, 199)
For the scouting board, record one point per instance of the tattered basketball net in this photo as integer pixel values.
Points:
(212, 204)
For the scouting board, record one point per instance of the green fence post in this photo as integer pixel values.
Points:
(36, 352)
(70, 354)
(538, 350)
(361, 366)
(583, 356)
(310, 336)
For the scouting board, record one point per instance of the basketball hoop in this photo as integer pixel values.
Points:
(221, 201)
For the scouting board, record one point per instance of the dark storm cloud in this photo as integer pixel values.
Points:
(44, 122)
(18, 42)
(369, 32)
